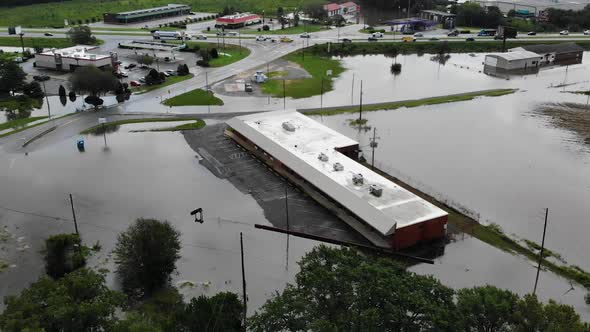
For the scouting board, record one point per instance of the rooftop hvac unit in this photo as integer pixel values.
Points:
(358, 179)
(338, 167)
(376, 190)
(288, 126)
(322, 156)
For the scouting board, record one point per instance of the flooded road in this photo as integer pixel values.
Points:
(140, 175)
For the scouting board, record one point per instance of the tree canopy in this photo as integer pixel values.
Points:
(79, 301)
(93, 81)
(146, 255)
(81, 35)
(12, 77)
(344, 290)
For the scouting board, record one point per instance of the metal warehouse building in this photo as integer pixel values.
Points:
(512, 62)
(149, 14)
(556, 54)
(322, 162)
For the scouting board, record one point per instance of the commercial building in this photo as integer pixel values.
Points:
(512, 62)
(446, 19)
(149, 14)
(343, 9)
(68, 59)
(237, 20)
(556, 54)
(322, 162)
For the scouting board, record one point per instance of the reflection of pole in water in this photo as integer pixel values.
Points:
(287, 215)
(352, 91)
(541, 252)
(244, 299)
(565, 76)
(104, 134)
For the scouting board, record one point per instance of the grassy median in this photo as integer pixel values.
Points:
(196, 124)
(287, 31)
(414, 102)
(33, 42)
(169, 81)
(228, 54)
(316, 66)
(197, 97)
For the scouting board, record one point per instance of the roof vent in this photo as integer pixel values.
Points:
(338, 167)
(322, 156)
(358, 179)
(376, 190)
(288, 126)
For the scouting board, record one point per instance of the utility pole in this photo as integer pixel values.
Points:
(243, 282)
(322, 95)
(361, 105)
(541, 252)
(47, 99)
(287, 215)
(22, 43)
(74, 215)
(352, 91)
(284, 95)
(373, 145)
(207, 90)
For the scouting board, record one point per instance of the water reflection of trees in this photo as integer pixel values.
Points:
(105, 130)
(441, 58)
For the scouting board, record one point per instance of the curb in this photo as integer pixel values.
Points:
(36, 137)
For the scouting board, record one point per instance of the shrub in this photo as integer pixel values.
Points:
(33, 90)
(265, 27)
(203, 63)
(214, 53)
(63, 255)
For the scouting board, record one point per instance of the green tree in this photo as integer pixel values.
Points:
(343, 290)
(12, 77)
(146, 255)
(145, 60)
(33, 90)
(63, 254)
(81, 35)
(80, 301)
(281, 16)
(486, 309)
(136, 322)
(93, 81)
(220, 313)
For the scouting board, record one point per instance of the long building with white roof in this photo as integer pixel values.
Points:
(68, 59)
(326, 160)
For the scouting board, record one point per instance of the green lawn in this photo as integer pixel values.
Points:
(194, 97)
(315, 65)
(53, 14)
(234, 53)
(19, 123)
(169, 81)
(197, 124)
(416, 102)
(36, 41)
(287, 31)
(22, 102)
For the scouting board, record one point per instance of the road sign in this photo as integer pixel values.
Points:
(102, 120)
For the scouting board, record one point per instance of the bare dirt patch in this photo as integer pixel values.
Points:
(570, 116)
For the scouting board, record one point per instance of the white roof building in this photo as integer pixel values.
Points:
(309, 149)
(76, 56)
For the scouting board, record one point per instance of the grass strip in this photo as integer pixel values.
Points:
(493, 235)
(169, 81)
(99, 128)
(194, 98)
(316, 66)
(231, 53)
(198, 124)
(33, 42)
(414, 102)
(33, 126)
(17, 123)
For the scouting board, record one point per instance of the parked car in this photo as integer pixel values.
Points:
(286, 40)
(270, 39)
(470, 39)
(377, 35)
(586, 32)
(372, 39)
(201, 37)
(453, 33)
(305, 35)
(41, 78)
(221, 33)
(130, 66)
(418, 34)
(248, 87)
(564, 33)
(170, 72)
(142, 79)
(346, 40)
(232, 33)
(48, 34)
(165, 74)
(408, 39)
(167, 59)
(532, 33)
(433, 38)
(134, 83)
(260, 38)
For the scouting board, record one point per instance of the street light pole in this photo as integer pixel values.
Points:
(47, 99)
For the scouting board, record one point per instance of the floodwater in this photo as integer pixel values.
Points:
(140, 175)
(498, 157)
